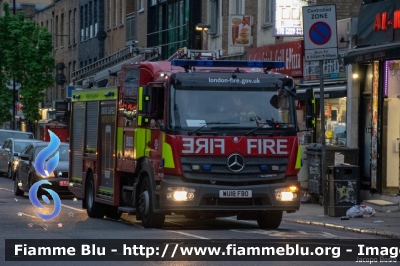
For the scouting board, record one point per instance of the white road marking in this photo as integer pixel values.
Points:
(29, 215)
(9, 190)
(244, 221)
(72, 208)
(326, 234)
(186, 234)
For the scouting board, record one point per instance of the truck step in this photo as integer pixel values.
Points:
(129, 210)
(127, 188)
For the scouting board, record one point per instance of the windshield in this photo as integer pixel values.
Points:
(12, 134)
(20, 145)
(231, 107)
(63, 152)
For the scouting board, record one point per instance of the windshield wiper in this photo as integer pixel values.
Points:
(210, 123)
(271, 123)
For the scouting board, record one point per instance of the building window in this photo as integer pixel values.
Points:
(239, 7)
(95, 18)
(110, 14)
(90, 18)
(116, 11)
(74, 27)
(153, 2)
(86, 22)
(82, 27)
(214, 16)
(62, 30)
(71, 25)
(268, 12)
(123, 6)
(141, 8)
(56, 32)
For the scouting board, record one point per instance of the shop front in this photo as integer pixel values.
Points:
(377, 68)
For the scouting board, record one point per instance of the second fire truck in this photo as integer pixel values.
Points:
(201, 138)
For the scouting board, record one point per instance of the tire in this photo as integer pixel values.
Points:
(270, 219)
(145, 206)
(113, 213)
(17, 190)
(93, 208)
(9, 172)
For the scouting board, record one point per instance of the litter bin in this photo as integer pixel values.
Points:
(342, 189)
(315, 186)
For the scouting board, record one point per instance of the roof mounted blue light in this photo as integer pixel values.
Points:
(186, 63)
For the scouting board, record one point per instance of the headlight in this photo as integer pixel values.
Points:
(180, 193)
(51, 175)
(286, 194)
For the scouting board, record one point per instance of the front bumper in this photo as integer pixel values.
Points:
(55, 185)
(206, 198)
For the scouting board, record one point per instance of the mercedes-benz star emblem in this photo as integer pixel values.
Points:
(59, 173)
(235, 162)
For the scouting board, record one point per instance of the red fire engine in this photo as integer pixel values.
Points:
(202, 138)
(57, 128)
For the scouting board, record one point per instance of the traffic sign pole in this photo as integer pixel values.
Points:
(323, 142)
(321, 44)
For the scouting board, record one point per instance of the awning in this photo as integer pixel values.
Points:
(329, 92)
(371, 53)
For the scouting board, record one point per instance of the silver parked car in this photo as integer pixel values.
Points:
(9, 153)
(5, 134)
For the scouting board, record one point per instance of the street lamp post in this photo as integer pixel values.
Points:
(14, 89)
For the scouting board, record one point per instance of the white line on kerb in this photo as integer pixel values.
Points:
(72, 208)
(9, 190)
(186, 234)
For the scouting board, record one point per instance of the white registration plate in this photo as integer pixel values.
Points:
(63, 183)
(235, 194)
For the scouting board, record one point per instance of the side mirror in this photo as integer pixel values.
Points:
(310, 108)
(274, 101)
(310, 103)
(144, 99)
(25, 157)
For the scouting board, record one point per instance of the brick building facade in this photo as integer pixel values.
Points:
(61, 18)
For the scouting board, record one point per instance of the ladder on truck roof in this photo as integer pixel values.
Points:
(112, 64)
(184, 53)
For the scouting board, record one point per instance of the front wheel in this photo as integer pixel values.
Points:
(93, 208)
(270, 219)
(9, 172)
(149, 218)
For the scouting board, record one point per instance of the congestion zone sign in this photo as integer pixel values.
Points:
(320, 37)
(320, 33)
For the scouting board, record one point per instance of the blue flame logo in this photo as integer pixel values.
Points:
(39, 167)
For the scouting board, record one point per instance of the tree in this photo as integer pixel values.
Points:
(28, 60)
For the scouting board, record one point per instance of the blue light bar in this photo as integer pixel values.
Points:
(227, 63)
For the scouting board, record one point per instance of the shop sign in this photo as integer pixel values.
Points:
(380, 23)
(333, 69)
(288, 18)
(240, 30)
(289, 52)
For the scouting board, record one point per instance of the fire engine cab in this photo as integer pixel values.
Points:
(200, 138)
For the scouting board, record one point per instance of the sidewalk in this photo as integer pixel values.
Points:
(382, 224)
